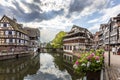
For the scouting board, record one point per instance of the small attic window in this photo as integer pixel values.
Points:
(5, 25)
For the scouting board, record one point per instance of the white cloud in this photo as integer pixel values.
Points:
(29, 1)
(93, 21)
(48, 34)
(94, 28)
(24, 7)
(8, 4)
(95, 6)
(109, 12)
(47, 5)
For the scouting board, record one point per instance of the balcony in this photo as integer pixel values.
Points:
(13, 36)
(8, 44)
(113, 42)
(14, 44)
(113, 33)
(7, 36)
(74, 38)
(75, 33)
(101, 38)
(74, 43)
(100, 43)
(106, 42)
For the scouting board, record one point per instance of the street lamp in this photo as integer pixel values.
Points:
(109, 24)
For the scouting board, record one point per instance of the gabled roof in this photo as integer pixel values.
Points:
(77, 27)
(32, 32)
(14, 24)
(79, 30)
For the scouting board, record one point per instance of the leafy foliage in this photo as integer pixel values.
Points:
(48, 45)
(57, 42)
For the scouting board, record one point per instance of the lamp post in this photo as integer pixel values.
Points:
(109, 24)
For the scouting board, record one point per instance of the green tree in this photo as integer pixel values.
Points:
(48, 45)
(57, 42)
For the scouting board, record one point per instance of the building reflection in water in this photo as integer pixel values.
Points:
(51, 68)
(16, 69)
(69, 61)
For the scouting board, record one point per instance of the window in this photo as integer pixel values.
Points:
(13, 40)
(1, 25)
(6, 32)
(5, 25)
(19, 41)
(19, 34)
(8, 25)
(65, 47)
(13, 32)
(2, 40)
(7, 40)
(10, 40)
(10, 32)
(1, 33)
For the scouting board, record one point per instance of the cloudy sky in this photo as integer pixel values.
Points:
(56, 15)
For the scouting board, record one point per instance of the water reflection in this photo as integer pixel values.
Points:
(46, 66)
(16, 69)
(49, 70)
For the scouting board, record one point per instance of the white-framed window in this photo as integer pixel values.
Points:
(1, 24)
(8, 25)
(13, 40)
(7, 40)
(13, 32)
(6, 32)
(17, 33)
(17, 40)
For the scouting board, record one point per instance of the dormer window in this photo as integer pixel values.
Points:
(5, 25)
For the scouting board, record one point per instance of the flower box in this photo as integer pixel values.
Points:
(90, 64)
(91, 75)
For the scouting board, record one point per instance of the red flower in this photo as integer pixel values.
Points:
(97, 57)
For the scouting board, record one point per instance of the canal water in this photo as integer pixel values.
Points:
(45, 66)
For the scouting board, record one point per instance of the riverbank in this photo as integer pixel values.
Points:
(12, 55)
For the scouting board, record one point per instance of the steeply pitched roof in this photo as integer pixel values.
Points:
(32, 32)
(14, 24)
(79, 30)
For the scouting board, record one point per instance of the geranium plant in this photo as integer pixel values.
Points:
(90, 61)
